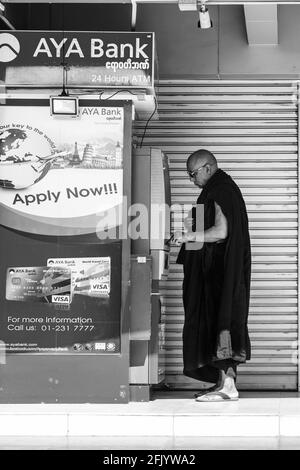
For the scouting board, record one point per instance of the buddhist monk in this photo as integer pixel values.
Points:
(216, 283)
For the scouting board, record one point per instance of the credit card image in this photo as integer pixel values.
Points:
(90, 276)
(94, 282)
(39, 284)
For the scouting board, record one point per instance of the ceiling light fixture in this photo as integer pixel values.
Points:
(64, 106)
(187, 5)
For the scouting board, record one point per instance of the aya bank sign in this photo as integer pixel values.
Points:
(96, 58)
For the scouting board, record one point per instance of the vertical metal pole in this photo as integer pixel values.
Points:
(298, 230)
(133, 15)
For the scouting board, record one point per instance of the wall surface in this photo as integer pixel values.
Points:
(76, 17)
(241, 60)
(185, 51)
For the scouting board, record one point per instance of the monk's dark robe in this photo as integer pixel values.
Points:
(216, 284)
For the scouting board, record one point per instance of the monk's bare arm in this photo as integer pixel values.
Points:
(218, 232)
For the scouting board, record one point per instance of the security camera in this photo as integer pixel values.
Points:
(204, 18)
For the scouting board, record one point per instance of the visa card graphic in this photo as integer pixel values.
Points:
(39, 284)
(90, 276)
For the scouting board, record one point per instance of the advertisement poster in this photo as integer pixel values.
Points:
(58, 176)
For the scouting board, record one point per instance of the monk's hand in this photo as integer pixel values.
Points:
(180, 237)
(188, 223)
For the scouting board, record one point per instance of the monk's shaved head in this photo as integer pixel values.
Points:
(201, 166)
(199, 157)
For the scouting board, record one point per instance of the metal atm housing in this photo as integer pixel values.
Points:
(149, 266)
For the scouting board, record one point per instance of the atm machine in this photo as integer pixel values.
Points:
(149, 266)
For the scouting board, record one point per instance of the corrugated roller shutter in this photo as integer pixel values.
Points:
(251, 127)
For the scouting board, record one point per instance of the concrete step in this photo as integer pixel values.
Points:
(170, 415)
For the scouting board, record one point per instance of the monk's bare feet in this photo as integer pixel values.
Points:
(206, 390)
(226, 390)
(228, 387)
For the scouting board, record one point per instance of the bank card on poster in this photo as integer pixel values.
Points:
(90, 276)
(39, 284)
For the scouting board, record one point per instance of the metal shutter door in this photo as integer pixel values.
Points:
(251, 127)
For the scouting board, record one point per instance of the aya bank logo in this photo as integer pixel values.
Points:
(9, 47)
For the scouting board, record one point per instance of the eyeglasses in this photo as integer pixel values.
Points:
(193, 173)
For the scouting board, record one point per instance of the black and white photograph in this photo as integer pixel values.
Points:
(149, 228)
